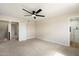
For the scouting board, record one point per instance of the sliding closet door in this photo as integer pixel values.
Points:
(3, 30)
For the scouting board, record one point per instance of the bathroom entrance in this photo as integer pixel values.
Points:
(74, 32)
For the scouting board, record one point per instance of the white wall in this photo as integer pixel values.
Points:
(30, 29)
(22, 31)
(26, 30)
(55, 29)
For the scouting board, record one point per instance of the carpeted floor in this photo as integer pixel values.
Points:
(35, 47)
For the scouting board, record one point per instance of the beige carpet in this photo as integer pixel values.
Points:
(35, 47)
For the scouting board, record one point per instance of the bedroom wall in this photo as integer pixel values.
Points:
(31, 29)
(55, 29)
(26, 30)
(22, 31)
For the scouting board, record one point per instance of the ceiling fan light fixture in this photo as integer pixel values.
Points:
(33, 15)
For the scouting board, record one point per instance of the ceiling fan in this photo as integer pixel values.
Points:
(34, 14)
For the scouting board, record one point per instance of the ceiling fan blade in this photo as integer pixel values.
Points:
(27, 11)
(39, 11)
(40, 15)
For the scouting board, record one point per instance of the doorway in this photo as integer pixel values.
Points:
(14, 31)
(74, 32)
(3, 31)
(8, 31)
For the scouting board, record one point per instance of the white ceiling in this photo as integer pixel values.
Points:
(54, 9)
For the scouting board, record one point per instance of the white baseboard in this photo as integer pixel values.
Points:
(60, 43)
